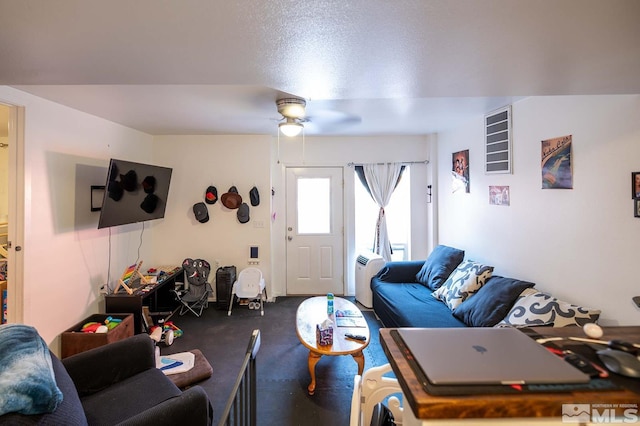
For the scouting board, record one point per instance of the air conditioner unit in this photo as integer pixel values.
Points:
(367, 265)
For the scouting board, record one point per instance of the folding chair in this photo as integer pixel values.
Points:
(249, 285)
(195, 298)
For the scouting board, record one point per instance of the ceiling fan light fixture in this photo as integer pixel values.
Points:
(291, 107)
(290, 127)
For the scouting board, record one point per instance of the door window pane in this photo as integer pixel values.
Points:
(314, 205)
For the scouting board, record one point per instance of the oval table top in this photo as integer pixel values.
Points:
(313, 311)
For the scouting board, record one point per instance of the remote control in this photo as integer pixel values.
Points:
(355, 337)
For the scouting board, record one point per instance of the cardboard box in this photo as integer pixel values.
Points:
(74, 341)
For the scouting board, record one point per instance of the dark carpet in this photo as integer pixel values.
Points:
(282, 370)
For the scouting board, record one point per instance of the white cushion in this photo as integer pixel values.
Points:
(464, 281)
(534, 307)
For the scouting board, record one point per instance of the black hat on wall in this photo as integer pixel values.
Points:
(211, 195)
(243, 213)
(201, 212)
(254, 195)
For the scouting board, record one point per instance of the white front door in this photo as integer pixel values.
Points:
(315, 237)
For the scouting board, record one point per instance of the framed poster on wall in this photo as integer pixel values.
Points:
(557, 166)
(460, 171)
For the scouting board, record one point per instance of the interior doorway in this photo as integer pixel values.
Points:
(314, 230)
(12, 210)
(4, 209)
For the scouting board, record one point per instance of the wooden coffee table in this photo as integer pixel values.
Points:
(313, 311)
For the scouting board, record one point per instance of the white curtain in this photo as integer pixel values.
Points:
(382, 180)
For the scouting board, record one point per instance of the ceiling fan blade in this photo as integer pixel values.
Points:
(330, 121)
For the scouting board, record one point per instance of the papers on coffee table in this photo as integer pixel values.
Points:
(348, 318)
(348, 313)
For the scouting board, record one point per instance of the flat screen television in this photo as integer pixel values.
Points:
(134, 192)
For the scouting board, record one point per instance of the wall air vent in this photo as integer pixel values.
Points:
(497, 141)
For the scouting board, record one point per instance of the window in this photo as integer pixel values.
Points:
(314, 205)
(398, 214)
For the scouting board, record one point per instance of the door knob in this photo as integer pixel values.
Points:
(289, 238)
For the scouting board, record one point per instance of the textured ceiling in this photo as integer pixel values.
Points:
(366, 67)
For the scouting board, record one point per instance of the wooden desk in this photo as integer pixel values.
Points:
(424, 406)
(157, 297)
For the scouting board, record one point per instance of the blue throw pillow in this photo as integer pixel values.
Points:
(439, 265)
(491, 303)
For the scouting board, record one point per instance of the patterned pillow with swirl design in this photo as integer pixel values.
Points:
(534, 307)
(463, 282)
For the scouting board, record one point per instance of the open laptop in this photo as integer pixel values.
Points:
(486, 356)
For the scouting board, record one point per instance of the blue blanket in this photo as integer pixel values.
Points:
(27, 382)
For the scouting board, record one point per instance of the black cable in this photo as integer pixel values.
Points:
(108, 289)
(140, 246)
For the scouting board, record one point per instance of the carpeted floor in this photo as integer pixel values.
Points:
(283, 374)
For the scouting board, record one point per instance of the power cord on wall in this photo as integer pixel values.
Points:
(140, 245)
(106, 287)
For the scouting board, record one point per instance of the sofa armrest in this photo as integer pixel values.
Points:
(403, 271)
(190, 408)
(99, 368)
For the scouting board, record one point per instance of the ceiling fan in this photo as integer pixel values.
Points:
(294, 113)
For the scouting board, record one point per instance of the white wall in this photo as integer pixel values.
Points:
(339, 151)
(65, 256)
(245, 161)
(221, 161)
(582, 244)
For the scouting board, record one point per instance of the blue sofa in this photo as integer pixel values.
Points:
(400, 301)
(445, 290)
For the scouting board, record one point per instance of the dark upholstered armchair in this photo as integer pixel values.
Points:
(118, 384)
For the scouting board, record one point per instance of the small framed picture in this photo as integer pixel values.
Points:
(499, 195)
(635, 184)
(636, 207)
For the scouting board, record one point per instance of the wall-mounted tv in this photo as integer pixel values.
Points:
(134, 192)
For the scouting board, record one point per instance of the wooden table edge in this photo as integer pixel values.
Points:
(426, 406)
